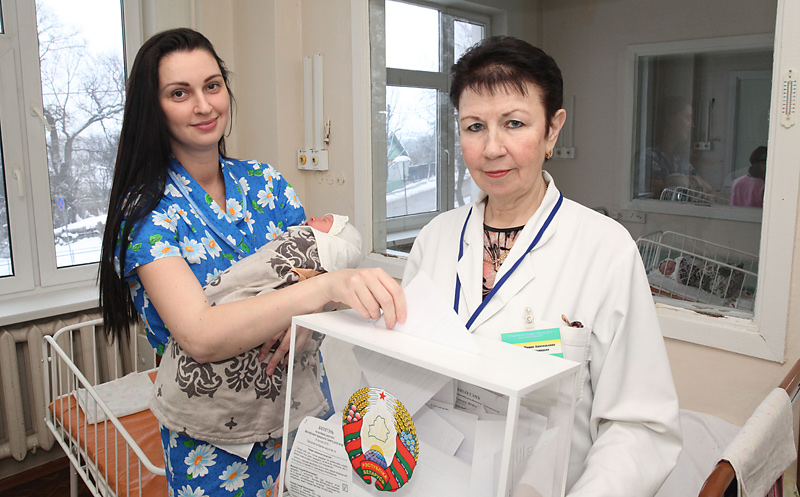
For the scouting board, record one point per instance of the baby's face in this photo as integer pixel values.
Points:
(323, 223)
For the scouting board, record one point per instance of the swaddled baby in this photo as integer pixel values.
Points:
(322, 244)
(235, 401)
(722, 280)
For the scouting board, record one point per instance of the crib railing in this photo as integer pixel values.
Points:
(103, 453)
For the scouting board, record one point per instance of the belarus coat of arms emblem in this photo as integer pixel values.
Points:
(380, 438)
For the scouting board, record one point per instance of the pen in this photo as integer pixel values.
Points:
(574, 324)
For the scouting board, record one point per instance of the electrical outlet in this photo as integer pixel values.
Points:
(631, 216)
(702, 145)
(564, 152)
(312, 160)
(330, 178)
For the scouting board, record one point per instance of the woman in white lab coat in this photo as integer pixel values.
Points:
(522, 254)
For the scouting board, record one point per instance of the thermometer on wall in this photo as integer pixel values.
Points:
(789, 99)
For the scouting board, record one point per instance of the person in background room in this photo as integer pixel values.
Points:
(748, 190)
(181, 211)
(668, 158)
(522, 249)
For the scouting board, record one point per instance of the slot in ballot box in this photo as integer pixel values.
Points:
(420, 418)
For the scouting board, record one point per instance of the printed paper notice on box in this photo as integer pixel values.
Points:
(547, 340)
(318, 465)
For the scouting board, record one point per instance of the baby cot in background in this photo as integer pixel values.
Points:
(686, 194)
(689, 269)
(88, 392)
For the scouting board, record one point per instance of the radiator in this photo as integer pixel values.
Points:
(22, 409)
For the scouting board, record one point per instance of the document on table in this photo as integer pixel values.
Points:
(532, 461)
(447, 394)
(463, 421)
(479, 401)
(486, 456)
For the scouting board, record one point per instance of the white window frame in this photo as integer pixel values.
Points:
(14, 157)
(763, 336)
(406, 227)
(38, 289)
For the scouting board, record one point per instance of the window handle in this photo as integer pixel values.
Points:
(36, 110)
(17, 174)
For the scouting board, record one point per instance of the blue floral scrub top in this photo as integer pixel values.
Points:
(259, 206)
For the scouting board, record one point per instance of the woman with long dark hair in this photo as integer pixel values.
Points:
(181, 211)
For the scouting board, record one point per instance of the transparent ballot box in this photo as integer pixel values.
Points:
(419, 417)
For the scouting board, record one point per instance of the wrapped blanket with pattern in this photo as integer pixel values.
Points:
(234, 401)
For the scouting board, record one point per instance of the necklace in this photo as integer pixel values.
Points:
(496, 261)
(497, 244)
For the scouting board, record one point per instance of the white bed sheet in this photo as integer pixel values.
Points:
(704, 438)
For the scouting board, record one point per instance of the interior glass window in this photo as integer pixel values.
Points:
(700, 118)
(700, 151)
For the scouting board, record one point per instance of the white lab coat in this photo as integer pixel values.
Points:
(626, 432)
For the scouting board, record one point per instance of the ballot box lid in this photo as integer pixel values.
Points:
(503, 368)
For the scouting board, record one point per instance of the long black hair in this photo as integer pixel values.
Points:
(140, 173)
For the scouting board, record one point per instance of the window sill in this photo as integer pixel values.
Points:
(41, 303)
(734, 334)
(743, 214)
(392, 264)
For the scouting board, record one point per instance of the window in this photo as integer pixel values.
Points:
(700, 116)
(732, 113)
(61, 103)
(417, 168)
(701, 123)
(700, 113)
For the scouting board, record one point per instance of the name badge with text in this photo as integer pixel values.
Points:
(546, 340)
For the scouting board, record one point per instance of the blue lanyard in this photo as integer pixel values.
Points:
(182, 188)
(513, 268)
